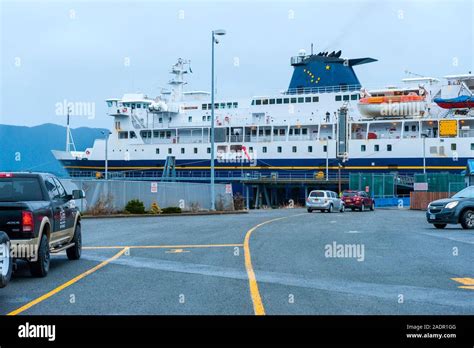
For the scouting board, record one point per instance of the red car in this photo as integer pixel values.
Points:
(357, 200)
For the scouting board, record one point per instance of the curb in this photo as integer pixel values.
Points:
(119, 216)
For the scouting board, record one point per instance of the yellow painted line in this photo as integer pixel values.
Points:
(468, 283)
(183, 246)
(68, 283)
(254, 292)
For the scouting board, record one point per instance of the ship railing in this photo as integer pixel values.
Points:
(327, 89)
(222, 175)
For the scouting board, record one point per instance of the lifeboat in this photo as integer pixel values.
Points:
(461, 102)
(391, 105)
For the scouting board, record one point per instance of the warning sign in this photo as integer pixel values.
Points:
(228, 188)
(154, 187)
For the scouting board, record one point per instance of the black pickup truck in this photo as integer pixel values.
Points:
(40, 218)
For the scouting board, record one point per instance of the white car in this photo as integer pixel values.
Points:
(322, 200)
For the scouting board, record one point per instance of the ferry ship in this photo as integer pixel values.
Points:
(324, 121)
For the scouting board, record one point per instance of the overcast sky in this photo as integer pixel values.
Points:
(85, 51)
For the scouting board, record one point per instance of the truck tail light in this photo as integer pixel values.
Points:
(6, 175)
(27, 221)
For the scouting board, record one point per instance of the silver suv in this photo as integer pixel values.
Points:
(327, 201)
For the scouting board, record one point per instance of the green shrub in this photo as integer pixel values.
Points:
(171, 210)
(135, 206)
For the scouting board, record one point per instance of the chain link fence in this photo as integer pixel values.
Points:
(187, 196)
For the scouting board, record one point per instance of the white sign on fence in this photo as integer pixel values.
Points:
(154, 187)
(228, 188)
(420, 186)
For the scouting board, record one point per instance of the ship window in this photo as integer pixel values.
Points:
(389, 147)
(272, 101)
(279, 149)
(264, 149)
(338, 98)
(315, 99)
(275, 131)
(123, 135)
(216, 106)
(268, 131)
(157, 151)
(307, 99)
(170, 150)
(204, 106)
(304, 131)
(300, 100)
(413, 128)
(294, 149)
(109, 104)
(376, 147)
(168, 134)
(407, 128)
(204, 118)
(253, 102)
(310, 149)
(209, 106)
(453, 147)
(182, 150)
(345, 97)
(222, 105)
(208, 118)
(325, 148)
(293, 100)
(160, 120)
(279, 101)
(286, 100)
(139, 106)
(282, 132)
(208, 150)
(133, 105)
(362, 148)
(258, 102)
(433, 150)
(265, 101)
(297, 131)
(132, 135)
(354, 96)
(190, 119)
(195, 150)
(156, 134)
(145, 134)
(472, 146)
(251, 149)
(235, 104)
(291, 131)
(229, 105)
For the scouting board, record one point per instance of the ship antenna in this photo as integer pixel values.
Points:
(311, 48)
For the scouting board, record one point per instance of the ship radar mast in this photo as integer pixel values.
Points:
(177, 83)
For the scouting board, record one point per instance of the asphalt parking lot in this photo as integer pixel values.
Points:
(266, 262)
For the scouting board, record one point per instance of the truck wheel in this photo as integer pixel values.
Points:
(467, 219)
(74, 253)
(40, 267)
(440, 226)
(5, 260)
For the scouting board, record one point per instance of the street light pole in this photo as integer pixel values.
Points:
(213, 188)
(327, 159)
(106, 172)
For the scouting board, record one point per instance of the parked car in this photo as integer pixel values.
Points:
(459, 209)
(37, 215)
(326, 201)
(358, 200)
(5, 260)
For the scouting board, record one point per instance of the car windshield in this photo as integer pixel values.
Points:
(349, 194)
(468, 192)
(316, 194)
(20, 189)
